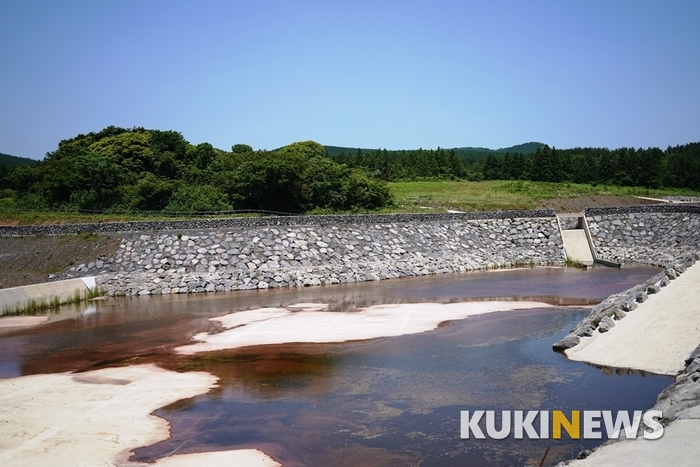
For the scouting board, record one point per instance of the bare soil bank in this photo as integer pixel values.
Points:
(30, 260)
(592, 201)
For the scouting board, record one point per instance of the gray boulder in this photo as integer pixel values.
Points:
(585, 328)
(567, 342)
(619, 314)
(642, 297)
(606, 324)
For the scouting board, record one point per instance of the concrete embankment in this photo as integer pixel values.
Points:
(657, 336)
(679, 404)
(16, 299)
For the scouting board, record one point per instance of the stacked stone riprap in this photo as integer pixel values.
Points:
(615, 307)
(680, 400)
(568, 223)
(293, 256)
(661, 236)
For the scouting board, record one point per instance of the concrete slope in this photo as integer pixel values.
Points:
(658, 336)
(576, 246)
(18, 297)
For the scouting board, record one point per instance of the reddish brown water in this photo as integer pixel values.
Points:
(376, 402)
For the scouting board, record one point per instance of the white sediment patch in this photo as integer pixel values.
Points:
(237, 458)
(307, 323)
(99, 417)
(657, 337)
(19, 321)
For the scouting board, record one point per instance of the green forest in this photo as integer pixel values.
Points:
(676, 167)
(139, 170)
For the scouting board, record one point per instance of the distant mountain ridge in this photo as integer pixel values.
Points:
(468, 151)
(14, 161)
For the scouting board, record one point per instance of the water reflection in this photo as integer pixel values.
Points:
(398, 399)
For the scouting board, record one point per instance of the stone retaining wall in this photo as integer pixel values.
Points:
(568, 223)
(293, 255)
(243, 222)
(657, 234)
(161, 257)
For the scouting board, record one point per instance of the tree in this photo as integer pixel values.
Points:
(303, 150)
(492, 168)
(322, 184)
(362, 192)
(270, 184)
(241, 149)
(150, 193)
(198, 198)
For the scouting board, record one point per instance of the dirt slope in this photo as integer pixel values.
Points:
(30, 260)
(592, 201)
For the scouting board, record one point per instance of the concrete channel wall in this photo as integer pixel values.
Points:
(17, 298)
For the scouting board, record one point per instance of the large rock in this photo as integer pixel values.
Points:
(566, 343)
(585, 328)
(619, 314)
(606, 324)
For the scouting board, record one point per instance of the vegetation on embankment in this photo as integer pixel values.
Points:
(418, 196)
(120, 174)
(517, 194)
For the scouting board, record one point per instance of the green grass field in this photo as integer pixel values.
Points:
(436, 196)
(497, 194)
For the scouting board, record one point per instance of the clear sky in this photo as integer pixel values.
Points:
(374, 74)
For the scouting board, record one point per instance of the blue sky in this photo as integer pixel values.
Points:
(374, 74)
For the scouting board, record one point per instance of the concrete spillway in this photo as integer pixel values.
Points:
(17, 298)
(576, 246)
(576, 238)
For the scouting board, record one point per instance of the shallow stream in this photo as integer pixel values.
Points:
(384, 401)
